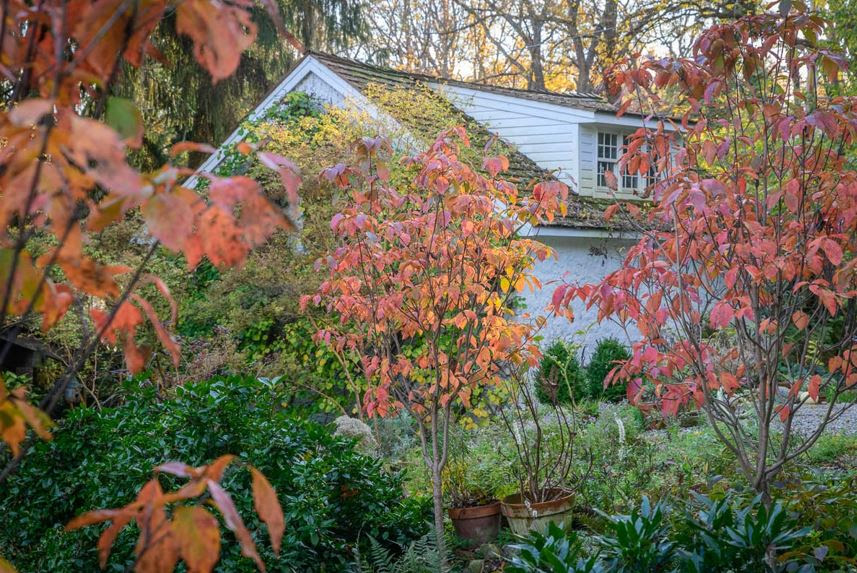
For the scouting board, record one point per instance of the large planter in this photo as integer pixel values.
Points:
(479, 524)
(526, 517)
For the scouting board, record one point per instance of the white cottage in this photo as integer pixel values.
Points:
(575, 137)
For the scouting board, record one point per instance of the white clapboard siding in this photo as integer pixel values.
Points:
(546, 133)
(588, 142)
(321, 90)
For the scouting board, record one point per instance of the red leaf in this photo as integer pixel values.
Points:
(494, 165)
(721, 314)
(833, 251)
(610, 211)
(610, 179)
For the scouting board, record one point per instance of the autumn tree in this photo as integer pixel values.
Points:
(742, 286)
(65, 177)
(422, 283)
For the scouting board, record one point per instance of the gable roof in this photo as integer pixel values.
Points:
(584, 213)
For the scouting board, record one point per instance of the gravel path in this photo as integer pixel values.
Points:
(809, 416)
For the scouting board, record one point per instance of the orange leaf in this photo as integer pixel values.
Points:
(38, 420)
(6, 567)
(184, 146)
(30, 112)
(800, 318)
(169, 219)
(220, 32)
(160, 554)
(91, 517)
(268, 508)
(108, 536)
(221, 239)
(99, 151)
(234, 522)
(215, 469)
(814, 385)
(164, 336)
(198, 538)
(13, 430)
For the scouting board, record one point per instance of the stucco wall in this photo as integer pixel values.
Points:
(583, 260)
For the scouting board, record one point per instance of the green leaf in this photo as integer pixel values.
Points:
(123, 116)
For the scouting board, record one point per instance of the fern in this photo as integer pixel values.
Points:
(421, 556)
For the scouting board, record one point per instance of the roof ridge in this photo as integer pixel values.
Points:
(440, 79)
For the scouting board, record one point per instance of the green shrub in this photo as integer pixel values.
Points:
(731, 534)
(559, 378)
(332, 496)
(604, 359)
(556, 552)
(740, 536)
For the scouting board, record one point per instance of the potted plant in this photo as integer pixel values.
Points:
(545, 456)
(473, 509)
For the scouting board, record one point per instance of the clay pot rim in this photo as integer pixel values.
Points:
(475, 512)
(511, 504)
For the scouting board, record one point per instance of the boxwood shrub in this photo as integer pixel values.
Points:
(607, 353)
(333, 497)
(559, 377)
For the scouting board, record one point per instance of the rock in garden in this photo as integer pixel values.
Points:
(353, 428)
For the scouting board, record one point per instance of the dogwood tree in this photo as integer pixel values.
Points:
(742, 286)
(423, 280)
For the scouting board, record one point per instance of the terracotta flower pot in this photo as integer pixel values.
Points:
(479, 524)
(526, 517)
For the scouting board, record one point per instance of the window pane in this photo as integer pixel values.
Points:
(629, 182)
(602, 167)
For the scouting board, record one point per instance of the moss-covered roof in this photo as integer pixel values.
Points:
(583, 212)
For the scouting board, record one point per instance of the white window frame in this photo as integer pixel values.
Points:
(612, 142)
(606, 154)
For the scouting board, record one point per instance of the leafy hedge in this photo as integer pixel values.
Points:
(333, 497)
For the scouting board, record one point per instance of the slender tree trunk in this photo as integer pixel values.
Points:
(437, 498)
(434, 460)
